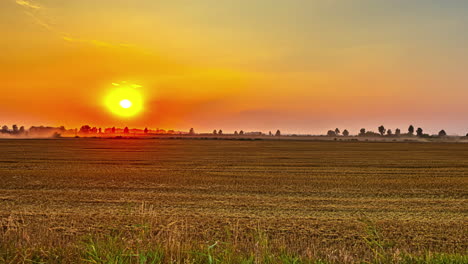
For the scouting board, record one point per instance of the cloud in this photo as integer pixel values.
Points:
(40, 22)
(94, 42)
(35, 11)
(28, 4)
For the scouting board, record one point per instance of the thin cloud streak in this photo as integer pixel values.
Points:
(28, 4)
(34, 14)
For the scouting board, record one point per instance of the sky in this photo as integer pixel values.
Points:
(302, 66)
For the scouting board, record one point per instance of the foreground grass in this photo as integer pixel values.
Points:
(141, 244)
(116, 250)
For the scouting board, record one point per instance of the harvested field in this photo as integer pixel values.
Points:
(308, 200)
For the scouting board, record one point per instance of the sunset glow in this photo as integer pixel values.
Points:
(124, 102)
(304, 66)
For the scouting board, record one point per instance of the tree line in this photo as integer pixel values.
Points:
(382, 131)
(88, 130)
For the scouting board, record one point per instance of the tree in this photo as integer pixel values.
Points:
(331, 133)
(85, 129)
(22, 130)
(362, 132)
(419, 132)
(100, 130)
(192, 131)
(215, 132)
(220, 132)
(397, 132)
(235, 133)
(411, 130)
(15, 129)
(278, 133)
(382, 130)
(442, 133)
(5, 129)
(337, 131)
(113, 130)
(241, 133)
(146, 130)
(389, 132)
(270, 134)
(126, 130)
(345, 133)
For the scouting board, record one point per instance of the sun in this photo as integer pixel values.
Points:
(124, 101)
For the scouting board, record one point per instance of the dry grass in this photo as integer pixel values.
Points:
(259, 201)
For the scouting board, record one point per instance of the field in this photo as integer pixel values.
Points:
(232, 201)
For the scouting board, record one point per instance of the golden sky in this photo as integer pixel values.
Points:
(304, 66)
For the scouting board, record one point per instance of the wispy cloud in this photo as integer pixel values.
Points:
(88, 41)
(36, 12)
(40, 22)
(28, 4)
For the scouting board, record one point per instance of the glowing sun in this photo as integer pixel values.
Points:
(125, 102)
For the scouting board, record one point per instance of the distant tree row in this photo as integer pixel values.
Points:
(14, 131)
(240, 133)
(337, 132)
(88, 130)
(385, 132)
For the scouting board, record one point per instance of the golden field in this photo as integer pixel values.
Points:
(232, 201)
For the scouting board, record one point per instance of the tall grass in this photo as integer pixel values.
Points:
(144, 243)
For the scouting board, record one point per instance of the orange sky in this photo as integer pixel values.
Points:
(301, 66)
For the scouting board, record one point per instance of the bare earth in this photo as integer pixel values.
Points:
(307, 196)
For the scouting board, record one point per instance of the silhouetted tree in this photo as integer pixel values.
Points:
(241, 133)
(100, 130)
(362, 132)
(85, 129)
(382, 130)
(215, 132)
(113, 130)
(397, 132)
(220, 132)
(192, 131)
(22, 130)
(270, 134)
(345, 133)
(146, 130)
(331, 133)
(411, 130)
(337, 131)
(15, 129)
(235, 133)
(278, 133)
(442, 133)
(419, 132)
(5, 129)
(126, 130)
(94, 130)
(389, 132)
